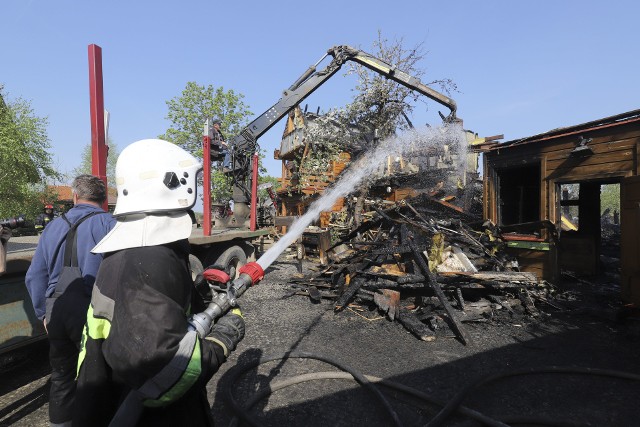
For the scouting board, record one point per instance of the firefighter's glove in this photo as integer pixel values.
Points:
(228, 331)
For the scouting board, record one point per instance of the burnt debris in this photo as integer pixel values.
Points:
(429, 267)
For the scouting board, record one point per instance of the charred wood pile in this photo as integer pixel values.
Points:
(431, 268)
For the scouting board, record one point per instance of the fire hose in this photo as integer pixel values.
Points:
(448, 408)
(202, 323)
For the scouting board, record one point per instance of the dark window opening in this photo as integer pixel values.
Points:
(519, 195)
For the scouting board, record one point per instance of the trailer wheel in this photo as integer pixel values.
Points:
(195, 265)
(231, 260)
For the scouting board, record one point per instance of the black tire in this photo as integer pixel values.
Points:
(231, 260)
(195, 265)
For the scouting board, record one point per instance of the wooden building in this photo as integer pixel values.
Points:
(299, 188)
(435, 170)
(546, 190)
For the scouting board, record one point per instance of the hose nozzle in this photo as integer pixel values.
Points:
(250, 274)
(254, 271)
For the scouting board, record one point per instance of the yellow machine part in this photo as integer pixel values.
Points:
(567, 225)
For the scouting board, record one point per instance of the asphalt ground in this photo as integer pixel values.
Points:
(589, 335)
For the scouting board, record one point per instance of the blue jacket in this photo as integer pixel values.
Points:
(46, 265)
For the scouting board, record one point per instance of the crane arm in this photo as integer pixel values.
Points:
(312, 79)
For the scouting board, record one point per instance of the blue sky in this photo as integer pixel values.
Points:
(521, 68)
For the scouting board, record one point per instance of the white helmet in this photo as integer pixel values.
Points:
(155, 176)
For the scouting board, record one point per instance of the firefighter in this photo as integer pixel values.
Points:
(44, 218)
(141, 363)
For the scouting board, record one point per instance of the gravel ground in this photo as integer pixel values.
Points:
(588, 337)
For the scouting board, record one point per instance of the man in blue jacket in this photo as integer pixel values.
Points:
(62, 303)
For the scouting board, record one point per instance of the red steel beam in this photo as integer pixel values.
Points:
(96, 99)
(206, 180)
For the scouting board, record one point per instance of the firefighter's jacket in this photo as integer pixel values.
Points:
(136, 338)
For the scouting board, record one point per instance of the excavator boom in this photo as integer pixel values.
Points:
(244, 145)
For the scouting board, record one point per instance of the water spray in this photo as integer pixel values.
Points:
(365, 167)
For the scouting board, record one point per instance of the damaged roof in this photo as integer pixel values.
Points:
(617, 120)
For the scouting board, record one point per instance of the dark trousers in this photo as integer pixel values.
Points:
(68, 316)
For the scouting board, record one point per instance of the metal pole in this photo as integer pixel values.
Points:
(96, 99)
(206, 179)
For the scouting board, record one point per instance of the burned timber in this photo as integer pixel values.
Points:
(424, 266)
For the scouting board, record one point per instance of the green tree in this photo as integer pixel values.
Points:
(85, 166)
(188, 112)
(610, 198)
(221, 185)
(25, 158)
(383, 104)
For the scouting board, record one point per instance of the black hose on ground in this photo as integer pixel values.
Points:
(236, 371)
(453, 404)
(507, 421)
(261, 394)
(366, 380)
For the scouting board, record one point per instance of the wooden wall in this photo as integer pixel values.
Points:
(615, 146)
